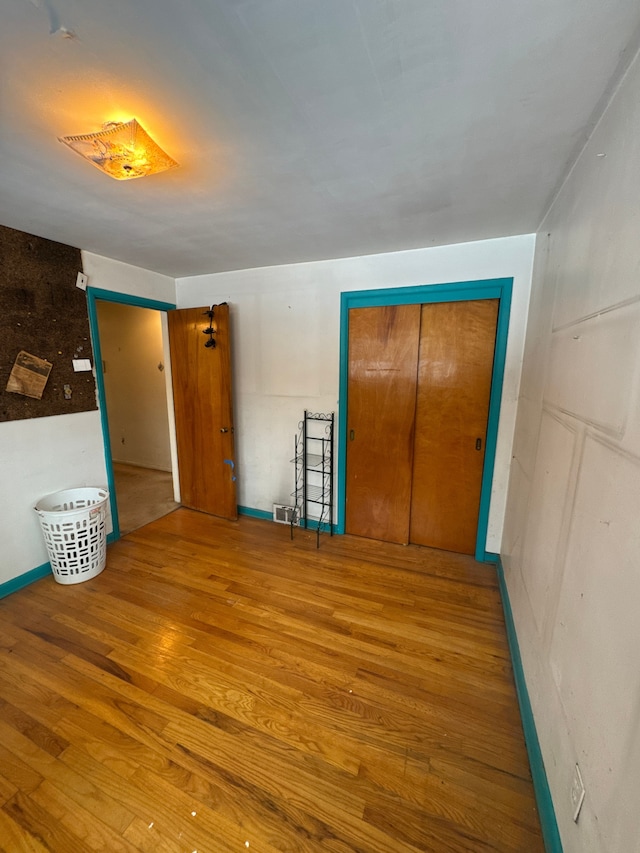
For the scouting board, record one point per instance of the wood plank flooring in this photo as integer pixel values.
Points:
(219, 688)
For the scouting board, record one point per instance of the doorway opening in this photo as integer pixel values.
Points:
(492, 289)
(133, 377)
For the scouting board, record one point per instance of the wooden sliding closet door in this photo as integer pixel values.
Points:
(457, 342)
(383, 354)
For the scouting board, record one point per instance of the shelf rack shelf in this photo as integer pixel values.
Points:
(313, 459)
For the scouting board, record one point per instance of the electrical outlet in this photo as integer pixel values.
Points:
(577, 792)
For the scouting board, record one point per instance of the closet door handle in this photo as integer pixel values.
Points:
(352, 434)
(478, 444)
(224, 429)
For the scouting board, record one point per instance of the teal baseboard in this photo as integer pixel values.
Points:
(268, 516)
(35, 574)
(312, 524)
(490, 557)
(546, 810)
(255, 513)
(24, 580)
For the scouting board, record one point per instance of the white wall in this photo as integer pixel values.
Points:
(132, 353)
(285, 325)
(571, 547)
(43, 455)
(37, 457)
(108, 274)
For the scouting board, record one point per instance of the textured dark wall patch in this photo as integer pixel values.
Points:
(44, 313)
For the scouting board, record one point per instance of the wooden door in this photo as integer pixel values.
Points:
(203, 410)
(457, 342)
(383, 355)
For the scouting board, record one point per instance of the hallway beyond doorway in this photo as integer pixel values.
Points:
(143, 495)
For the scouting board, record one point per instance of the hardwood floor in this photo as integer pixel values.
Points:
(219, 688)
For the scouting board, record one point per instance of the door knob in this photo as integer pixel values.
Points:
(224, 429)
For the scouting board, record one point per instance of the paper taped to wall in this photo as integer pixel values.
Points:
(29, 375)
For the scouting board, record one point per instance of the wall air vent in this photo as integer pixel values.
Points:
(283, 514)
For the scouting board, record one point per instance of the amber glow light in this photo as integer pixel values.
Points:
(123, 150)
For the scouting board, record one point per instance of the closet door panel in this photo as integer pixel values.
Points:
(383, 357)
(457, 343)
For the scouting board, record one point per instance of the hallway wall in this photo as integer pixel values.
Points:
(133, 353)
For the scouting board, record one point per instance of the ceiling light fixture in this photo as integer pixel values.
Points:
(123, 150)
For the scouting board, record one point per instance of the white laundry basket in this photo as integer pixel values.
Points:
(74, 527)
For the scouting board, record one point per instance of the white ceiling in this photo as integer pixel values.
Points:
(305, 129)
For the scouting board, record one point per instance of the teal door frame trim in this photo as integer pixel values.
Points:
(95, 294)
(495, 288)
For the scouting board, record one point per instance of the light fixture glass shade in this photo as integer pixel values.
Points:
(123, 150)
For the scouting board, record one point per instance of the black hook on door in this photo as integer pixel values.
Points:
(211, 343)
